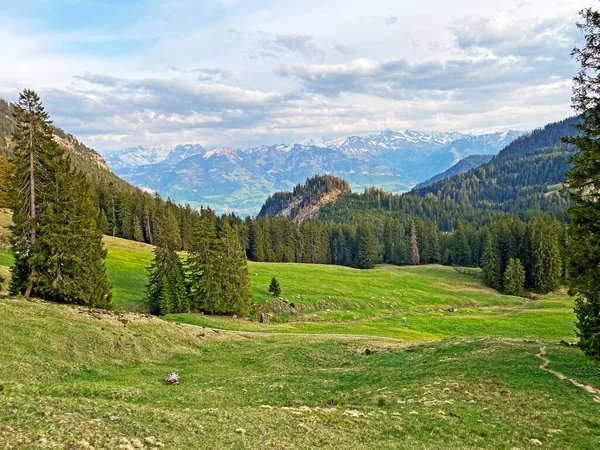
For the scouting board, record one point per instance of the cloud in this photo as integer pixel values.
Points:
(300, 44)
(206, 74)
(491, 54)
(344, 49)
(391, 20)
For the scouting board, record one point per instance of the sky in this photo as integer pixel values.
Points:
(123, 73)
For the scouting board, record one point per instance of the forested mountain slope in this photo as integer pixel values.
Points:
(82, 157)
(524, 179)
(305, 200)
(464, 165)
(523, 176)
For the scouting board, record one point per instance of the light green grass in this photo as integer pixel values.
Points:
(77, 378)
(127, 266)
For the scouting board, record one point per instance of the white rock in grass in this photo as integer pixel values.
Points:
(172, 378)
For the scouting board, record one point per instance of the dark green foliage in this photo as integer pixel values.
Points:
(56, 241)
(303, 195)
(415, 257)
(461, 251)
(584, 189)
(274, 287)
(166, 291)
(366, 251)
(514, 277)
(490, 264)
(218, 271)
(547, 265)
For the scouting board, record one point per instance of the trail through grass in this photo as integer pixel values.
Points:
(95, 379)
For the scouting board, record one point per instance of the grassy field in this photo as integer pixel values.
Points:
(462, 371)
(342, 300)
(77, 378)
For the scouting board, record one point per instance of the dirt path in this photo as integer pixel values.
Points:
(586, 387)
(324, 335)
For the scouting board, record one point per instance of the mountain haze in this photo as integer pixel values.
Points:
(232, 179)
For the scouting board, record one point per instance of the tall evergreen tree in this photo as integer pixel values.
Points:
(547, 266)
(166, 291)
(490, 264)
(33, 150)
(461, 251)
(366, 242)
(233, 276)
(202, 260)
(58, 247)
(415, 258)
(584, 189)
(514, 277)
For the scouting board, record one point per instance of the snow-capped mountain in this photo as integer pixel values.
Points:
(388, 140)
(136, 156)
(182, 152)
(232, 179)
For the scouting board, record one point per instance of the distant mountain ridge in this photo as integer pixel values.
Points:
(232, 179)
(462, 166)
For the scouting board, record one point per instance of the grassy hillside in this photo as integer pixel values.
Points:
(335, 299)
(77, 378)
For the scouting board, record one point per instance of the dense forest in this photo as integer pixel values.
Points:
(452, 221)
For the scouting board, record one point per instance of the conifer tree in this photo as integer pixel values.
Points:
(236, 297)
(461, 251)
(547, 266)
(514, 277)
(58, 247)
(32, 150)
(415, 258)
(166, 290)
(202, 261)
(584, 189)
(274, 287)
(366, 251)
(490, 264)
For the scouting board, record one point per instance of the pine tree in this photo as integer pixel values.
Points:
(274, 287)
(490, 264)
(166, 292)
(233, 276)
(138, 234)
(58, 247)
(32, 150)
(415, 258)
(547, 266)
(461, 251)
(366, 256)
(584, 189)
(202, 259)
(514, 277)
(103, 224)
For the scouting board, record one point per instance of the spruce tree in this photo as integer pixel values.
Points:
(166, 290)
(234, 275)
(461, 251)
(584, 189)
(366, 251)
(547, 265)
(490, 264)
(58, 247)
(274, 287)
(415, 258)
(32, 150)
(202, 258)
(514, 277)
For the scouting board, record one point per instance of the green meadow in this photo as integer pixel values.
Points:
(395, 357)
(76, 378)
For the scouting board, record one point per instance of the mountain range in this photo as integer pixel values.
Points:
(233, 179)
